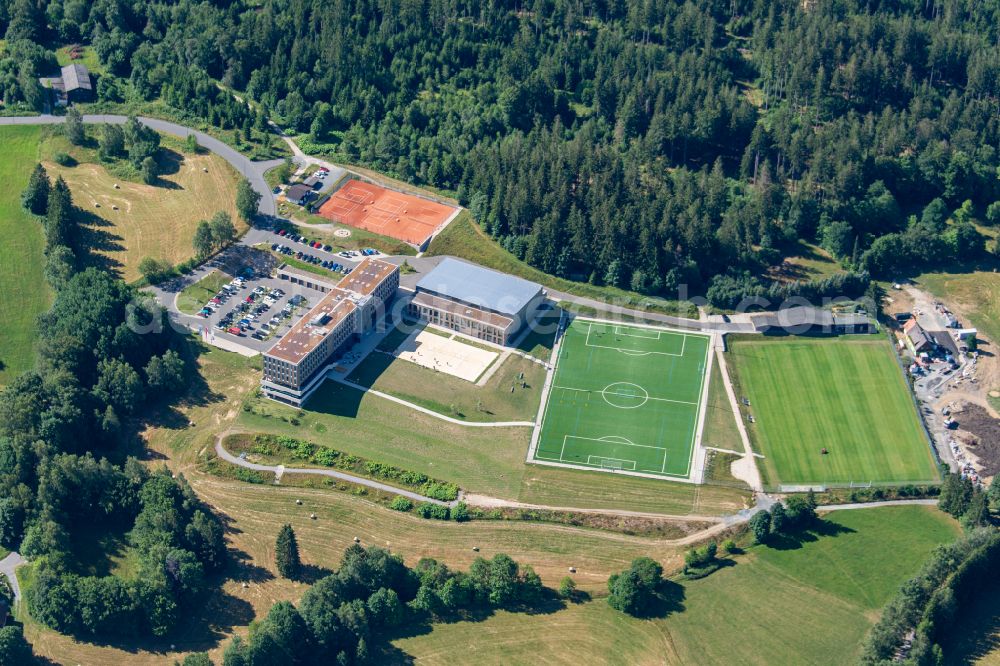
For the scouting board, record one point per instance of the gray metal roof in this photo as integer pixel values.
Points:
(479, 286)
(807, 316)
(76, 77)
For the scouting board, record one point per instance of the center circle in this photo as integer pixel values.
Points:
(625, 395)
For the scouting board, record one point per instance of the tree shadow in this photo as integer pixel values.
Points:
(669, 599)
(243, 570)
(311, 573)
(795, 540)
(168, 162)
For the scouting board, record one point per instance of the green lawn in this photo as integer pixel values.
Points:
(720, 420)
(194, 296)
(810, 603)
(24, 293)
(625, 396)
(846, 395)
(456, 397)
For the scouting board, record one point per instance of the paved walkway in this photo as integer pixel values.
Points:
(8, 565)
(869, 505)
(280, 470)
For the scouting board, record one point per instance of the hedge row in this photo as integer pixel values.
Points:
(269, 445)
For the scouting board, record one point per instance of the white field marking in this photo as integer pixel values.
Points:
(634, 352)
(601, 459)
(624, 395)
(619, 331)
(566, 439)
(616, 438)
(605, 393)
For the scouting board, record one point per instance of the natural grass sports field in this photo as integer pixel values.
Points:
(846, 395)
(24, 294)
(626, 398)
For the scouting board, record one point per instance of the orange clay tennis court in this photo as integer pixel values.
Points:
(381, 211)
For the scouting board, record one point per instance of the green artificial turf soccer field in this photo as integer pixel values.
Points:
(844, 394)
(625, 397)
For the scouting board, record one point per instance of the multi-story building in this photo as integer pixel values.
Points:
(476, 301)
(296, 365)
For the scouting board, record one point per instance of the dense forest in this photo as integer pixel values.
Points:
(639, 143)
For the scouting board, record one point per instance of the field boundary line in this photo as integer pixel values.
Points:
(550, 373)
(656, 327)
(696, 463)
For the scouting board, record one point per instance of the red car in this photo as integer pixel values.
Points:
(282, 232)
(249, 299)
(235, 330)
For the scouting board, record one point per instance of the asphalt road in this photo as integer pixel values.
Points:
(7, 567)
(252, 171)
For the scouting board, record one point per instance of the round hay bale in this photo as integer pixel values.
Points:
(572, 569)
(475, 549)
(114, 208)
(357, 539)
(117, 186)
(313, 516)
(299, 502)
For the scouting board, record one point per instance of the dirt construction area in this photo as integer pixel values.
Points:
(401, 216)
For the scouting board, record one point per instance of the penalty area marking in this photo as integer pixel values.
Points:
(635, 352)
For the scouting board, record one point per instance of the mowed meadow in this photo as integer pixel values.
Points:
(810, 601)
(846, 395)
(24, 294)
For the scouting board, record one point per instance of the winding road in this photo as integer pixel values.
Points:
(252, 171)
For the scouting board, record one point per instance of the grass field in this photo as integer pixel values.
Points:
(720, 420)
(194, 296)
(24, 294)
(456, 397)
(463, 238)
(810, 603)
(844, 394)
(157, 220)
(626, 398)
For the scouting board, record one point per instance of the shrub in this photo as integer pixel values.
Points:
(401, 504)
(64, 159)
(435, 511)
(729, 546)
(460, 512)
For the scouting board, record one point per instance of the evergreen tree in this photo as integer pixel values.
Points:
(73, 127)
(35, 196)
(286, 552)
(59, 223)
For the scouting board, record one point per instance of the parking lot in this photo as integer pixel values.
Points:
(313, 251)
(255, 311)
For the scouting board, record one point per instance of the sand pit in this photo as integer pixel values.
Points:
(453, 357)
